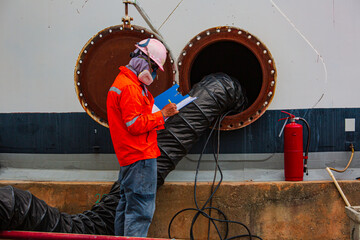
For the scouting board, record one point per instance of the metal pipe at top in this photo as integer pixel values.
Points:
(151, 26)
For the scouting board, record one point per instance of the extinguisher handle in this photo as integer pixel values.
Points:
(290, 115)
(283, 119)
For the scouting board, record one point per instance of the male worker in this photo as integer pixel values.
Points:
(133, 132)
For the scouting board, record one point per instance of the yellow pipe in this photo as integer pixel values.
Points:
(338, 187)
(328, 169)
(352, 155)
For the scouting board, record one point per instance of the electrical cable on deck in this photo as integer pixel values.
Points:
(201, 210)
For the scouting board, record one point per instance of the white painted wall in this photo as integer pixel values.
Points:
(314, 44)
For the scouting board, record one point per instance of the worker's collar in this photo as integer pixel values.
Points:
(130, 74)
(132, 69)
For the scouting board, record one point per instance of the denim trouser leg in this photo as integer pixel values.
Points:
(120, 214)
(137, 204)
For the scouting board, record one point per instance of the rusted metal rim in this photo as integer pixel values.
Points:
(98, 65)
(261, 54)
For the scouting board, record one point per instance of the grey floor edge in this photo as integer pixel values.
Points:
(236, 167)
(265, 175)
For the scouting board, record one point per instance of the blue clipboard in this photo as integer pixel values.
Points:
(174, 96)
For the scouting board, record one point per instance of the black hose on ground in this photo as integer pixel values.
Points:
(216, 94)
(20, 210)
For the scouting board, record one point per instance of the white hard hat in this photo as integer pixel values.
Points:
(154, 49)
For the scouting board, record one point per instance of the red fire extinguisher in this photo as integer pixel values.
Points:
(295, 163)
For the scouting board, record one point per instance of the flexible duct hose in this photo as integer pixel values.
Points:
(216, 94)
(20, 210)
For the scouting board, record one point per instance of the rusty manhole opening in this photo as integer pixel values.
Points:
(98, 65)
(238, 54)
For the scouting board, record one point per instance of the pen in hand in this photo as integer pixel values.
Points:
(169, 110)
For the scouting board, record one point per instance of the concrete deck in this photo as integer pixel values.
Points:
(272, 210)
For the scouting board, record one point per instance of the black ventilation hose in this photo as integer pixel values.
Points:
(20, 210)
(216, 94)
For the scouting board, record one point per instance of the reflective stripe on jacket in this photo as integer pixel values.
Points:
(131, 121)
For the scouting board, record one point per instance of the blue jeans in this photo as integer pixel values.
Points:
(136, 207)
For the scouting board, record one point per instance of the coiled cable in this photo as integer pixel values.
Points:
(201, 210)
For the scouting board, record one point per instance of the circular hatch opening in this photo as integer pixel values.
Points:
(98, 65)
(234, 59)
(238, 54)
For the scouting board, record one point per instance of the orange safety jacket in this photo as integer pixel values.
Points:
(131, 121)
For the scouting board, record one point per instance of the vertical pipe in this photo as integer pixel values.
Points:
(338, 187)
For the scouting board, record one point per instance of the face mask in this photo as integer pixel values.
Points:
(146, 77)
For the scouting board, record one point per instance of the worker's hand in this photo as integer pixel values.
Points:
(169, 110)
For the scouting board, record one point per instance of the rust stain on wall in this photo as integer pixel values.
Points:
(272, 210)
